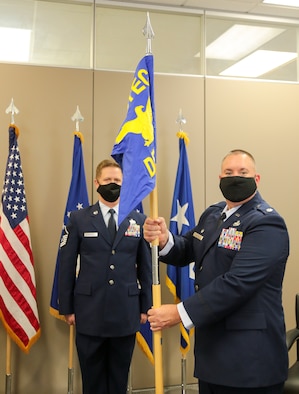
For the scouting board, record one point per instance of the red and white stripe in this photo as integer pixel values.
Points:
(18, 306)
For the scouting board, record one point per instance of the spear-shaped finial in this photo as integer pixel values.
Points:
(148, 33)
(181, 120)
(77, 117)
(13, 110)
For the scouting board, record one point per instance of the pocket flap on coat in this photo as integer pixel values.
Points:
(247, 321)
(83, 288)
(133, 289)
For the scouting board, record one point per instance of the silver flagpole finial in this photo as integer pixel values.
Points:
(148, 33)
(12, 109)
(77, 117)
(181, 120)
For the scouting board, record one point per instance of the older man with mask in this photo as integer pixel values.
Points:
(240, 248)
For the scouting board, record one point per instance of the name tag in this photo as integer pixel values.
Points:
(91, 235)
(198, 236)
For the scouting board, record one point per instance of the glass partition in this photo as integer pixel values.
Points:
(251, 49)
(86, 34)
(120, 42)
(46, 33)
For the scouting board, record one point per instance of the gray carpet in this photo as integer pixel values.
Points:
(190, 389)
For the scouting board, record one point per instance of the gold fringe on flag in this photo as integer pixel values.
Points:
(182, 135)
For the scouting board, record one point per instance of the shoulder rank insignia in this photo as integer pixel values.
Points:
(64, 238)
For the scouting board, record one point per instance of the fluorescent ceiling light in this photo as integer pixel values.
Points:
(239, 40)
(288, 3)
(259, 63)
(14, 44)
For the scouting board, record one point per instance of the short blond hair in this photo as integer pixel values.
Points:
(105, 163)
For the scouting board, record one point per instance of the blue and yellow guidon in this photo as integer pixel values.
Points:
(135, 145)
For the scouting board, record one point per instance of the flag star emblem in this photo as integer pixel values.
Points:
(180, 217)
(14, 194)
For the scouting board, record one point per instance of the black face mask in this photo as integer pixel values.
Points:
(237, 188)
(109, 192)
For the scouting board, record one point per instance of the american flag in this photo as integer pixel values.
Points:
(18, 306)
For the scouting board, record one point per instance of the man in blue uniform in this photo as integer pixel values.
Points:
(237, 311)
(108, 295)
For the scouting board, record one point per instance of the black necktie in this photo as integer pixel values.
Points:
(223, 216)
(112, 224)
(221, 219)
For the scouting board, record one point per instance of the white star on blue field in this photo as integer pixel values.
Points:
(180, 217)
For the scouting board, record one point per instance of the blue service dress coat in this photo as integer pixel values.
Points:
(113, 285)
(237, 306)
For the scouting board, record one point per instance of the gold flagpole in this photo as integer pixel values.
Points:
(156, 288)
(12, 109)
(181, 120)
(70, 367)
(8, 365)
(77, 117)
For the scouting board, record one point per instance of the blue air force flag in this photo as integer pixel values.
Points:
(180, 280)
(77, 199)
(145, 341)
(135, 144)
